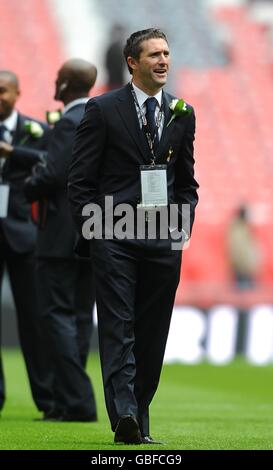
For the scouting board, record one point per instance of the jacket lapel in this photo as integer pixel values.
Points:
(127, 110)
(167, 131)
(126, 107)
(18, 130)
(15, 139)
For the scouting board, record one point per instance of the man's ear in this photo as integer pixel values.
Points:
(63, 86)
(132, 62)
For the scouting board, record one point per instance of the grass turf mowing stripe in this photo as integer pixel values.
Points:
(196, 407)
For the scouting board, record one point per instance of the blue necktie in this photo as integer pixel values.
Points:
(151, 104)
(2, 131)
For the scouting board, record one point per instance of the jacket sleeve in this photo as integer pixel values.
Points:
(26, 155)
(50, 176)
(186, 186)
(86, 159)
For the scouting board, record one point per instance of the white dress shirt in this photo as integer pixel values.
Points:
(10, 123)
(141, 98)
(74, 103)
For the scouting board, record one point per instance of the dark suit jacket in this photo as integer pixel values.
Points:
(18, 228)
(57, 238)
(110, 147)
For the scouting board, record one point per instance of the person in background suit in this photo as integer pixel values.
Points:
(114, 62)
(136, 279)
(23, 143)
(243, 250)
(66, 288)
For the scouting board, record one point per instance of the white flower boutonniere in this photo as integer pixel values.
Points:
(178, 107)
(34, 129)
(53, 116)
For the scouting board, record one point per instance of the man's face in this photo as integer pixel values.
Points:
(9, 94)
(150, 71)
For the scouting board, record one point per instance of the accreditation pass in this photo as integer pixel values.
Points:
(4, 199)
(153, 185)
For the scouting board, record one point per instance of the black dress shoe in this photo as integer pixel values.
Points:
(149, 440)
(127, 431)
(51, 415)
(67, 417)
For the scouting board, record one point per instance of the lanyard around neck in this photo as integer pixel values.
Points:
(150, 141)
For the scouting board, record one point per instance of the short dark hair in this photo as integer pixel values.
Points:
(133, 45)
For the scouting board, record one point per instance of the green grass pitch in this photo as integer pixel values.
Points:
(196, 407)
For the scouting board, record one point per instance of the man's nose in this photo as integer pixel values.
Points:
(163, 59)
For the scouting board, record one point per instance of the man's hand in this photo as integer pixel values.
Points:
(5, 149)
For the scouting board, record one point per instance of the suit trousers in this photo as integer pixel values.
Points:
(136, 282)
(66, 295)
(22, 275)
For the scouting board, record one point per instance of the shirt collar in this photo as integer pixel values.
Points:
(142, 96)
(11, 122)
(75, 103)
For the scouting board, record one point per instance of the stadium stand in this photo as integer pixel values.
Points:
(223, 66)
(234, 160)
(31, 47)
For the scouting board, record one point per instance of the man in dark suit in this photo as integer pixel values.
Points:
(23, 142)
(65, 281)
(136, 279)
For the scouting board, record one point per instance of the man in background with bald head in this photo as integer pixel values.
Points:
(66, 281)
(23, 143)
